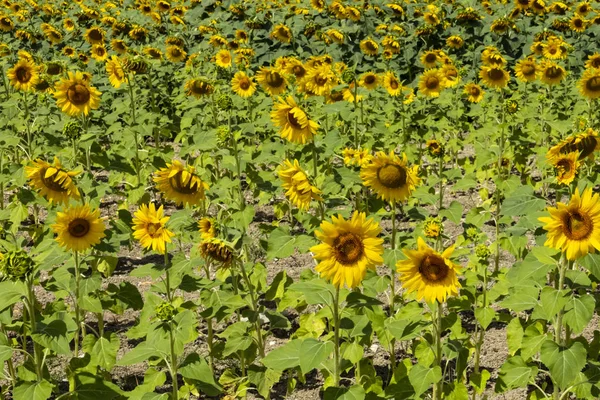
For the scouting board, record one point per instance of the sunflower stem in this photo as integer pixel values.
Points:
(32, 320)
(562, 268)
(238, 167)
(76, 305)
(135, 133)
(437, 337)
(336, 338)
(393, 293)
(167, 278)
(259, 338)
(441, 185)
(173, 362)
(500, 177)
(356, 138)
(315, 160)
(27, 127)
(209, 323)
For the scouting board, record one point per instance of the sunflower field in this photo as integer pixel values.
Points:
(299, 199)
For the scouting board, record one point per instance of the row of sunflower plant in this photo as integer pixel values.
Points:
(429, 167)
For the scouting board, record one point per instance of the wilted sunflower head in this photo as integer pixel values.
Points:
(217, 251)
(52, 181)
(180, 183)
(198, 87)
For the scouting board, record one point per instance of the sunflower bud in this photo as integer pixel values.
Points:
(348, 76)
(511, 107)
(434, 148)
(472, 233)
(165, 311)
(433, 227)
(482, 252)
(225, 102)
(72, 130)
(222, 134)
(16, 265)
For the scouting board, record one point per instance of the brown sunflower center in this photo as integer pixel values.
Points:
(577, 226)
(370, 46)
(299, 71)
(370, 79)
(528, 69)
(95, 35)
(348, 248)
(430, 58)
(496, 74)
(474, 91)
(553, 72)
(292, 120)
(593, 84)
(523, 2)
(78, 94)
(50, 181)
(392, 176)
(596, 62)
(79, 227)
(153, 228)
(244, 84)
(183, 187)
(274, 79)
(433, 268)
(23, 74)
(578, 23)
(432, 83)
(564, 166)
(218, 252)
(394, 84)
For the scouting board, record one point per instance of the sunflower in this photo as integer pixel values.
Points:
(583, 8)
(369, 80)
(180, 184)
(526, 70)
(6, 24)
(118, 46)
(593, 61)
(282, 33)
(451, 75)
(320, 80)
(428, 273)
(369, 47)
(217, 251)
(116, 75)
(198, 87)
(551, 73)
(78, 228)
(589, 84)
(296, 68)
(223, 59)
(271, 80)
(299, 190)
(566, 166)
(23, 75)
(494, 77)
(390, 176)
(455, 42)
(584, 143)
(207, 228)
(75, 96)
(52, 181)
(335, 36)
(150, 227)
(293, 122)
(474, 92)
(574, 228)
(392, 84)
(577, 24)
(348, 249)
(243, 85)
(95, 35)
(432, 82)
(430, 59)
(99, 52)
(523, 4)
(176, 54)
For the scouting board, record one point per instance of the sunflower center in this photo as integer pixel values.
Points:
(50, 181)
(578, 226)
(274, 79)
(593, 84)
(182, 187)
(433, 268)
(370, 79)
(496, 74)
(153, 228)
(78, 94)
(23, 75)
(474, 91)
(392, 176)
(299, 71)
(394, 84)
(553, 72)
(292, 120)
(95, 35)
(79, 227)
(528, 70)
(244, 85)
(430, 58)
(564, 166)
(348, 248)
(370, 46)
(432, 83)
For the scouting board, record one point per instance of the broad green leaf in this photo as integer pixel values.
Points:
(237, 343)
(485, 316)
(514, 373)
(11, 293)
(533, 339)
(514, 335)
(422, 378)
(551, 302)
(142, 352)
(33, 391)
(564, 363)
(579, 312)
(522, 205)
(479, 380)
(52, 333)
(453, 212)
(312, 353)
(284, 357)
(196, 369)
(282, 244)
(403, 329)
(592, 262)
(355, 392)
(104, 352)
(316, 291)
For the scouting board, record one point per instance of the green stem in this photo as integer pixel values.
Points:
(135, 133)
(497, 196)
(1, 183)
(356, 138)
(441, 185)
(237, 162)
(100, 318)
(315, 160)
(27, 127)
(393, 292)
(562, 268)
(173, 363)
(261, 346)
(336, 338)
(167, 278)
(209, 323)
(78, 320)
(32, 320)
(437, 337)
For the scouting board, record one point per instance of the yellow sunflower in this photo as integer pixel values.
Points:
(555, 49)
(198, 87)
(293, 122)
(180, 183)
(207, 228)
(243, 85)
(451, 75)
(78, 228)
(223, 59)
(271, 80)
(369, 47)
(589, 84)
(455, 42)
(75, 96)
(52, 181)
(593, 61)
(320, 80)
(299, 190)
(523, 4)
(433, 276)
(335, 36)
(118, 46)
(390, 177)
(149, 227)
(577, 24)
(348, 249)
(584, 144)
(116, 75)
(574, 228)
(474, 92)
(95, 35)
(494, 76)
(282, 33)
(552, 73)
(99, 52)
(369, 80)
(432, 82)
(218, 251)
(176, 54)
(24, 75)
(392, 84)
(430, 59)
(566, 166)
(526, 70)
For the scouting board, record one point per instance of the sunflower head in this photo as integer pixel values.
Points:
(390, 177)
(299, 189)
(217, 251)
(150, 227)
(585, 144)
(75, 96)
(433, 227)
(589, 84)
(293, 122)
(198, 87)
(180, 183)
(566, 166)
(16, 265)
(23, 75)
(52, 181)
(474, 92)
(272, 80)
(165, 311)
(78, 228)
(434, 148)
(432, 82)
(243, 85)
(552, 73)
(207, 228)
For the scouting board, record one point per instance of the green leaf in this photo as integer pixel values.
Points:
(284, 357)
(422, 378)
(197, 370)
(355, 392)
(403, 329)
(316, 291)
(533, 339)
(564, 363)
(592, 263)
(312, 353)
(479, 380)
(485, 316)
(11, 293)
(453, 212)
(514, 373)
(514, 336)
(142, 352)
(579, 312)
(237, 343)
(33, 391)
(551, 302)
(104, 352)
(52, 333)
(522, 205)
(282, 244)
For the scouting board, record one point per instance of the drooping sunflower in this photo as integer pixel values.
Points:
(335, 35)
(526, 70)
(432, 82)
(119, 46)
(392, 84)
(149, 227)
(176, 54)
(574, 228)
(52, 181)
(75, 96)
(95, 35)
(299, 190)
(271, 80)
(455, 42)
(217, 251)
(180, 183)
(433, 276)
(390, 177)
(369, 47)
(566, 166)
(282, 33)
(593, 61)
(523, 4)
(153, 53)
(198, 87)
(78, 228)
(207, 228)
(474, 92)
(589, 84)
(348, 249)
(584, 144)
(116, 75)
(451, 75)
(23, 75)
(552, 73)
(293, 122)
(223, 58)
(243, 85)
(494, 77)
